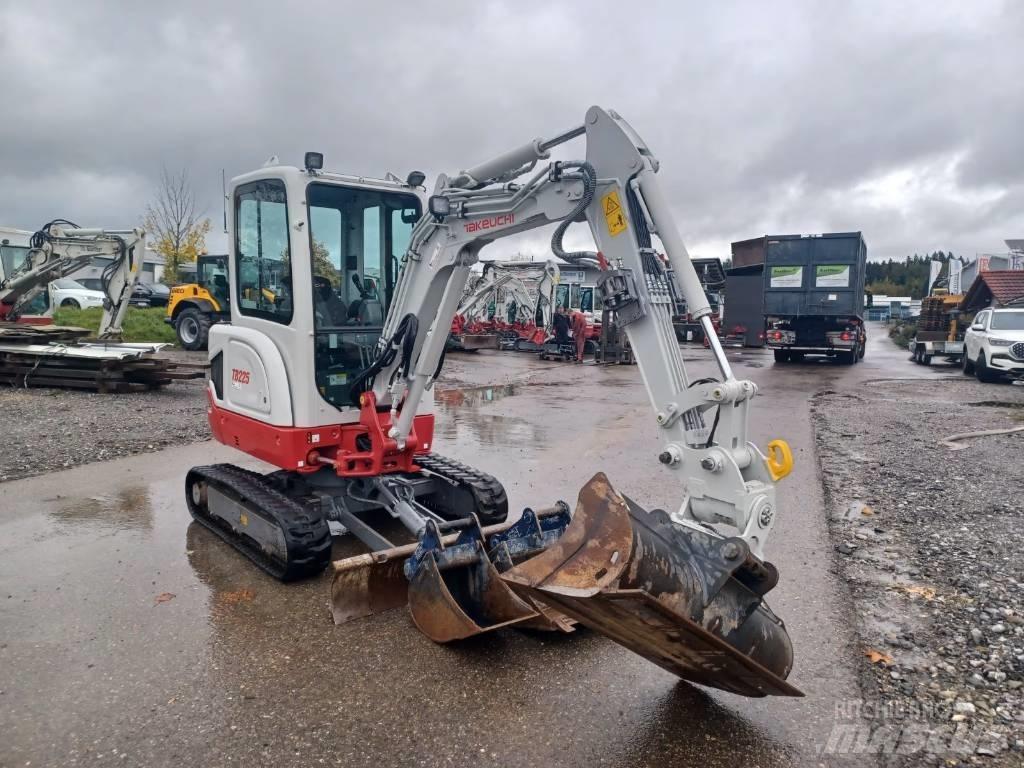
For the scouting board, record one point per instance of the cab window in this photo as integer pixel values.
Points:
(263, 258)
(357, 237)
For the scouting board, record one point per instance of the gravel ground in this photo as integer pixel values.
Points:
(47, 429)
(931, 542)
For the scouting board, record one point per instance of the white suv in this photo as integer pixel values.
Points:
(994, 344)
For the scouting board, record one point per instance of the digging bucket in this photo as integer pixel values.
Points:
(683, 597)
(452, 587)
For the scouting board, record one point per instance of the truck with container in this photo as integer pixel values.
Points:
(814, 296)
(940, 330)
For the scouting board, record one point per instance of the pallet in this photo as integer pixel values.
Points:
(62, 367)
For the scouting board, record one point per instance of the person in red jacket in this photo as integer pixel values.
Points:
(579, 333)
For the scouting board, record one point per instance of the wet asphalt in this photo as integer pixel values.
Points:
(129, 636)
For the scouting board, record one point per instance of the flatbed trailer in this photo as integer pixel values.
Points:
(939, 330)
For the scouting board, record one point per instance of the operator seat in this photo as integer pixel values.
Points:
(219, 289)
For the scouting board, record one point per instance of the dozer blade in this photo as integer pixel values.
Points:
(450, 584)
(683, 597)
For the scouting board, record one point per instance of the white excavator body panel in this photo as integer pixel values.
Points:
(313, 258)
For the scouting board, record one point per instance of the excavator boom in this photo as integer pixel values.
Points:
(60, 249)
(666, 585)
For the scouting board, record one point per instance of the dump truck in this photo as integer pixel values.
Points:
(814, 296)
(940, 331)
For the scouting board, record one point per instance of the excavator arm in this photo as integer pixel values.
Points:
(667, 585)
(724, 478)
(60, 249)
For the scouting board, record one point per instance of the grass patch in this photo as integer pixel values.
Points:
(142, 325)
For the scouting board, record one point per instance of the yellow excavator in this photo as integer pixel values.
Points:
(332, 384)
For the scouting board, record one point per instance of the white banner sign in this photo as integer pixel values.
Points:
(832, 276)
(787, 277)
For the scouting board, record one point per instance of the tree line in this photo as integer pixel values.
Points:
(904, 277)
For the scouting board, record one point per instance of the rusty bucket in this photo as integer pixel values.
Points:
(452, 587)
(681, 596)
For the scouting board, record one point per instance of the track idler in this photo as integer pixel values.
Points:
(452, 582)
(683, 597)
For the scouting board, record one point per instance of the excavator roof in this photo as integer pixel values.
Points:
(390, 182)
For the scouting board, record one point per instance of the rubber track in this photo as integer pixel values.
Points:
(488, 492)
(307, 536)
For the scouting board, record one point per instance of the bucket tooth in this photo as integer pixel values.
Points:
(681, 596)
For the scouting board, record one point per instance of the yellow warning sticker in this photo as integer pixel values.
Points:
(613, 213)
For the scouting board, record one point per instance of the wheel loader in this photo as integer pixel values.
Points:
(341, 404)
(193, 308)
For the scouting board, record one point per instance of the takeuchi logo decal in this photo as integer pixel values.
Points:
(491, 222)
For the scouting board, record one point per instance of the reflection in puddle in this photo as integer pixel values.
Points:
(463, 396)
(463, 417)
(128, 509)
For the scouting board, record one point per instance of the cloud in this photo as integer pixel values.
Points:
(901, 120)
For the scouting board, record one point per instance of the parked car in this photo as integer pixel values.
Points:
(994, 344)
(150, 295)
(66, 292)
(144, 294)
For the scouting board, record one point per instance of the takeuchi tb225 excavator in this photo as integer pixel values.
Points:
(341, 403)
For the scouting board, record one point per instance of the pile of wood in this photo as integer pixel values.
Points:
(23, 333)
(54, 356)
(936, 321)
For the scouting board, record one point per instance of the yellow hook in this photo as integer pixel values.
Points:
(780, 459)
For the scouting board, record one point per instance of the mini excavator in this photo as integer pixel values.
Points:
(340, 402)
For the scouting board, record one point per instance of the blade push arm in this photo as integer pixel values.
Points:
(61, 249)
(703, 423)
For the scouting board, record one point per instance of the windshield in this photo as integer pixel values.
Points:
(357, 238)
(66, 283)
(11, 259)
(212, 274)
(1008, 321)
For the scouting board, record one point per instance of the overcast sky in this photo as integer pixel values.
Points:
(903, 120)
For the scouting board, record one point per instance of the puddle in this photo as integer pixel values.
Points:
(128, 509)
(462, 396)
(463, 417)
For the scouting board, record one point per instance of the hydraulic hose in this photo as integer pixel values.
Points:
(589, 177)
(404, 339)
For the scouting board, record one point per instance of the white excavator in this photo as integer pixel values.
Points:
(343, 410)
(522, 302)
(60, 249)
